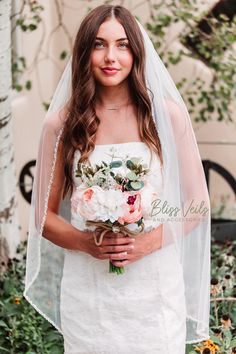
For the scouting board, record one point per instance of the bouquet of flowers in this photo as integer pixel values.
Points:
(112, 201)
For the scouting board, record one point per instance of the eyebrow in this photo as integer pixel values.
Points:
(120, 39)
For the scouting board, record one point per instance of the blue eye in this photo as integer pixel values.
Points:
(98, 44)
(125, 45)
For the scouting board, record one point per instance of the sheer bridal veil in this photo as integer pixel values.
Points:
(185, 192)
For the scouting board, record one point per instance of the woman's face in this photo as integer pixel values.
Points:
(111, 50)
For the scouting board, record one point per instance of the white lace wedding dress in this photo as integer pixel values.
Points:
(106, 313)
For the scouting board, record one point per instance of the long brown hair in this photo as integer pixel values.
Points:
(81, 122)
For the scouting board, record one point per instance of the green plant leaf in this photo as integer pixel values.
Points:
(28, 85)
(115, 164)
(63, 55)
(130, 165)
(132, 176)
(136, 185)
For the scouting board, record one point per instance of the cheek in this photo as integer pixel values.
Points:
(95, 60)
(127, 61)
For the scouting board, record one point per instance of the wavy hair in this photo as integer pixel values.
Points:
(81, 122)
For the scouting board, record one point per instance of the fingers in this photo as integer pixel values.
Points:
(113, 234)
(121, 263)
(112, 256)
(116, 248)
(119, 256)
(117, 240)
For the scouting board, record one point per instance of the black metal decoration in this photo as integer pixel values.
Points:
(210, 165)
(24, 185)
(222, 229)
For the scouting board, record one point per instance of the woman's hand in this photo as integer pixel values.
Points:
(144, 244)
(113, 243)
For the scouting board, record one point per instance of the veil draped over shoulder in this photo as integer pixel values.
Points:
(185, 190)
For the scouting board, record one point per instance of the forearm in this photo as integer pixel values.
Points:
(155, 238)
(63, 234)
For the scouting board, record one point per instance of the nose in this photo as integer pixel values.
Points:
(110, 56)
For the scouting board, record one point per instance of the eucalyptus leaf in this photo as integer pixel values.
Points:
(130, 165)
(115, 164)
(135, 160)
(131, 176)
(136, 185)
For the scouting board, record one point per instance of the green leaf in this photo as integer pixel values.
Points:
(23, 61)
(28, 85)
(63, 55)
(233, 342)
(136, 185)
(216, 340)
(115, 164)
(7, 286)
(46, 105)
(3, 324)
(18, 87)
(135, 160)
(132, 176)
(32, 27)
(130, 165)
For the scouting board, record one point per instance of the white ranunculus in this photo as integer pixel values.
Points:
(110, 204)
(96, 204)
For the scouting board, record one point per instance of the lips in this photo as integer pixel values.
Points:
(110, 70)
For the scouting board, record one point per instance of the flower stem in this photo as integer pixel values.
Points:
(115, 269)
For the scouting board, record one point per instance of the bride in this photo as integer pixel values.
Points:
(116, 100)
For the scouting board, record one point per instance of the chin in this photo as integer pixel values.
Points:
(112, 81)
(109, 83)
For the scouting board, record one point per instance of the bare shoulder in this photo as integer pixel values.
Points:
(174, 108)
(179, 116)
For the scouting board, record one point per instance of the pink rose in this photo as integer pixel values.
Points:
(132, 210)
(88, 194)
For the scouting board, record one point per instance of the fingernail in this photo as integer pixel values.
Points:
(132, 239)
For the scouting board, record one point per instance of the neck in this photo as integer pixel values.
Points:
(109, 97)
